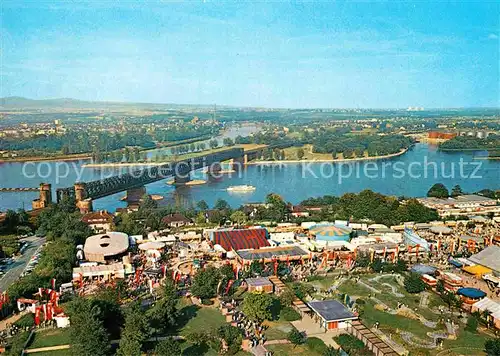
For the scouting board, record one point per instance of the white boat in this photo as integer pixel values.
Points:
(240, 188)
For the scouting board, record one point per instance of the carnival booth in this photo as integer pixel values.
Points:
(470, 295)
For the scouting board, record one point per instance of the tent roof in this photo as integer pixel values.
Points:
(488, 257)
(471, 293)
(488, 304)
(476, 270)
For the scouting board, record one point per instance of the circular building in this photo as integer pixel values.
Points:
(152, 245)
(103, 247)
(441, 230)
(330, 232)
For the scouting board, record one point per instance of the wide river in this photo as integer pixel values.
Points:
(410, 174)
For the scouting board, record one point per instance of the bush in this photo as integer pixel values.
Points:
(413, 284)
(316, 345)
(360, 301)
(352, 345)
(295, 337)
(289, 314)
(207, 302)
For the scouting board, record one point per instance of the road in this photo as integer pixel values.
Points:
(15, 269)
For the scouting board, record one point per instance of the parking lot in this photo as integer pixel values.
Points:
(22, 264)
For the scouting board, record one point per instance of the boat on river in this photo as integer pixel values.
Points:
(241, 188)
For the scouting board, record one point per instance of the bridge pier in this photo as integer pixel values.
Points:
(45, 198)
(214, 170)
(238, 163)
(82, 201)
(134, 195)
(181, 179)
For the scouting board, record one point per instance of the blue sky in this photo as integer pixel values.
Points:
(271, 54)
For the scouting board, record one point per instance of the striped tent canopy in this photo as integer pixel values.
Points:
(330, 232)
(239, 239)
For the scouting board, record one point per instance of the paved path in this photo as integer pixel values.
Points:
(10, 320)
(19, 265)
(45, 349)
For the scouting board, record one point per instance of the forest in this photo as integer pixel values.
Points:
(81, 141)
(376, 145)
(491, 143)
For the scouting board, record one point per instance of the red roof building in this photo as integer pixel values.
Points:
(176, 220)
(240, 239)
(99, 221)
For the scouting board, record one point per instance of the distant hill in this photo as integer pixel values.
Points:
(18, 102)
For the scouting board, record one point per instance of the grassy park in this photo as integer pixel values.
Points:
(381, 295)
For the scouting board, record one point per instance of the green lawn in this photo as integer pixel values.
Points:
(278, 330)
(50, 337)
(393, 322)
(467, 343)
(352, 288)
(289, 349)
(196, 319)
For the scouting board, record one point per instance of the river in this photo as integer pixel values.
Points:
(410, 174)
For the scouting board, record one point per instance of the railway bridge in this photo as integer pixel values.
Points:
(85, 192)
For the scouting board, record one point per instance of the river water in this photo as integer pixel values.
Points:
(410, 174)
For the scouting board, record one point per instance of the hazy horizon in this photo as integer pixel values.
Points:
(222, 105)
(340, 55)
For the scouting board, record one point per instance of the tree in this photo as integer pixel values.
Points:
(147, 203)
(227, 141)
(295, 337)
(238, 217)
(472, 324)
(258, 306)
(440, 287)
(277, 208)
(300, 153)
(438, 190)
(134, 333)
(168, 347)
(88, 336)
(221, 204)
(232, 337)
(413, 283)
(456, 191)
(256, 268)
(202, 205)
(400, 266)
(213, 144)
(205, 283)
(450, 299)
(164, 313)
(286, 297)
(492, 347)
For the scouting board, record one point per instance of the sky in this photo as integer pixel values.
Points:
(345, 54)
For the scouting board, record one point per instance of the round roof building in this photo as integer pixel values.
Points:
(330, 232)
(99, 248)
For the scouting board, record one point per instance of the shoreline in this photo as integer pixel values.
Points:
(125, 164)
(47, 159)
(360, 159)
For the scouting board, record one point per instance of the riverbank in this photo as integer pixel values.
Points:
(78, 157)
(122, 164)
(331, 160)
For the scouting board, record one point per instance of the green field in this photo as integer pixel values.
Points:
(288, 349)
(50, 337)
